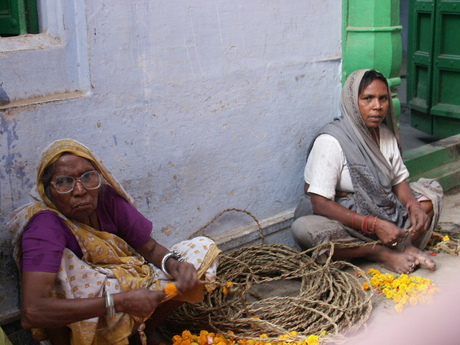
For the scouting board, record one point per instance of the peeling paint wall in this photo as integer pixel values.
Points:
(195, 106)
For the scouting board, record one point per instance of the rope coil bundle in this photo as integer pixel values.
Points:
(451, 246)
(328, 299)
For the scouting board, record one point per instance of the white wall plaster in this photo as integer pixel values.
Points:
(195, 106)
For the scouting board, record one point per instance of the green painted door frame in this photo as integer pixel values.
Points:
(371, 38)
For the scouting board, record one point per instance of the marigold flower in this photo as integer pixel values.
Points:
(402, 289)
(227, 288)
(399, 308)
(186, 334)
(312, 340)
(170, 289)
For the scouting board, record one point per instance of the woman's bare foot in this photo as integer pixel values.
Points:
(389, 258)
(394, 261)
(423, 259)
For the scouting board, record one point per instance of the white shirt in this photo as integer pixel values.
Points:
(327, 171)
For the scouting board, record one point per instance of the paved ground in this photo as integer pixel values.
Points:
(437, 323)
(433, 324)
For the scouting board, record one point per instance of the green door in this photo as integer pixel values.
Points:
(12, 18)
(18, 17)
(434, 66)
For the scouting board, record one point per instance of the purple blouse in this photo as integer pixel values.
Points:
(46, 235)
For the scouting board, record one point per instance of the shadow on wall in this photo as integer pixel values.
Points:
(4, 98)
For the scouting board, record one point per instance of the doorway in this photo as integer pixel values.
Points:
(433, 66)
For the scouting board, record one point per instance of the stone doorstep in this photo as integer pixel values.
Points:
(439, 160)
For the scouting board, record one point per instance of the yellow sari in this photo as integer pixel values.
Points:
(108, 262)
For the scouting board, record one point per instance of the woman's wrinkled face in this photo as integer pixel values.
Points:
(80, 203)
(374, 103)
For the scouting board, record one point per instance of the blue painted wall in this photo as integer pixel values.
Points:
(195, 106)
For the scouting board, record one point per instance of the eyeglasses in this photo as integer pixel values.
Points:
(65, 184)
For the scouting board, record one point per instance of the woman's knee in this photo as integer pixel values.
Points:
(305, 230)
(299, 230)
(427, 206)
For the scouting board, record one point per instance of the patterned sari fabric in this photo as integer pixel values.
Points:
(108, 262)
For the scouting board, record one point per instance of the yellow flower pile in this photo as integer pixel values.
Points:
(404, 290)
(209, 338)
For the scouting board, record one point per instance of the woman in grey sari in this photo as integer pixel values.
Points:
(356, 189)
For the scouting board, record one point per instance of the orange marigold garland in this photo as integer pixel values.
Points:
(209, 338)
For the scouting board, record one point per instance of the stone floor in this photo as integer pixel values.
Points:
(433, 324)
(436, 323)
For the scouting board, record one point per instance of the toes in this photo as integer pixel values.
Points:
(428, 264)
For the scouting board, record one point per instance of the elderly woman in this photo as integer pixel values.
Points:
(91, 272)
(356, 189)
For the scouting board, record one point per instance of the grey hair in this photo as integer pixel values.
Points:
(46, 178)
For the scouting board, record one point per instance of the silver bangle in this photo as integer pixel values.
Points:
(109, 305)
(175, 254)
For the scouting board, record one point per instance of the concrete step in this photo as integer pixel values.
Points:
(439, 160)
(448, 175)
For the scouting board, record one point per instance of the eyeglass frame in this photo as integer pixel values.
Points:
(78, 179)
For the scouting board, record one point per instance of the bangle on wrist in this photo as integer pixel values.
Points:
(365, 225)
(175, 254)
(373, 225)
(109, 305)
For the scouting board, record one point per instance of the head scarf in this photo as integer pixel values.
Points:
(103, 251)
(371, 174)
(55, 150)
(349, 107)
(39, 201)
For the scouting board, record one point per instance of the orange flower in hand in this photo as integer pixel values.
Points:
(170, 289)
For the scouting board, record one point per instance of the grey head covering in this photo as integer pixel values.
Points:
(371, 174)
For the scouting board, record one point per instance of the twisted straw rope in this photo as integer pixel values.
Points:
(451, 247)
(328, 299)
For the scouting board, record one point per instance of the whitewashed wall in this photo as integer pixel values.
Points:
(196, 106)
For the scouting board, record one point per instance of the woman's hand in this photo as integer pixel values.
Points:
(184, 274)
(389, 233)
(419, 220)
(138, 302)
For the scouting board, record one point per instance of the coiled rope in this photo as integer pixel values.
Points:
(328, 298)
(451, 246)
